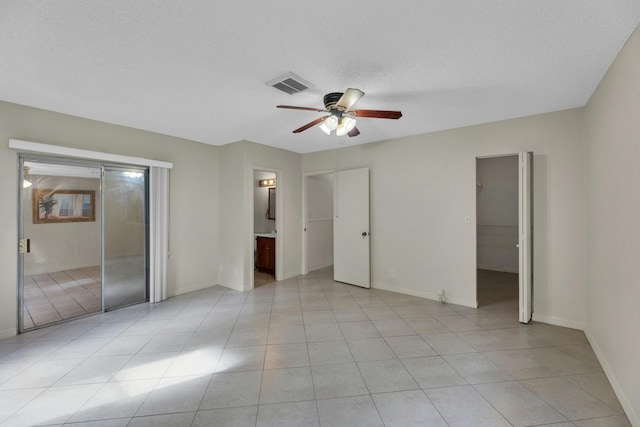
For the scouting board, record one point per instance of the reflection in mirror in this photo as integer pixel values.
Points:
(271, 210)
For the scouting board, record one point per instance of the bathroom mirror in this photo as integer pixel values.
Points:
(271, 211)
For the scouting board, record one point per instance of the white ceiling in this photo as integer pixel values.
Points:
(196, 69)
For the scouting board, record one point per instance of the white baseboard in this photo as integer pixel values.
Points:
(6, 333)
(193, 288)
(424, 294)
(289, 275)
(240, 288)
(236, 287)
(630, 411)
(558, 321)
(319, 266)
(502, 269)
(461, 301)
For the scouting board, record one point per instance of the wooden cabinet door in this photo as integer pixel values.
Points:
(266, 253)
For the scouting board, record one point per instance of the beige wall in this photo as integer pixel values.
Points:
(231, 184)
(237, 164)
(423, 187)
(193, 238)
(613, 233)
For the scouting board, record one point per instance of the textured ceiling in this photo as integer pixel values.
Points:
(197, 69)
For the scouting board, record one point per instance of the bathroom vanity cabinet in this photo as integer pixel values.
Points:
(266, 254)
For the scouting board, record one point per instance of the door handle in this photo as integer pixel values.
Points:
(364, 234)
(24, 246)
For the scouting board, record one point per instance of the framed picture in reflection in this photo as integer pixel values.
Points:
(55, 206)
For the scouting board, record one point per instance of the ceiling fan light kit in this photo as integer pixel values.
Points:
(346, 125)
(341, 119)
(331, 122)
(323, 127)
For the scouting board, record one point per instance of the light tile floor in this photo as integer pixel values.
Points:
(262, 278)
(52, 297)
(304, 352)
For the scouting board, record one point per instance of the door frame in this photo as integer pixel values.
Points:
(58, 152)
(71, 161)
(525, 236)
(305, 176)
(523, 203)
(43, 158)
(20, 229)
(249, 264)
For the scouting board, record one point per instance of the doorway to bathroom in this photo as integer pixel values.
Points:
(264, 227)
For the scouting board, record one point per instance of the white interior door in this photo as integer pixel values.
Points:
(351, 228)
(525, 241)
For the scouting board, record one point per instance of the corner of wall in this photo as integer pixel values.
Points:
(7, 333)
(423, 294)
(557, 321)
(629, 410)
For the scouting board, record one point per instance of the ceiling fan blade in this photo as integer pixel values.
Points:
(293, 107)
(348, 98)
(353, 132)
(310, 124)
(377, 114)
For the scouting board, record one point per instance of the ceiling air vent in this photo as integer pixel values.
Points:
(290, 83)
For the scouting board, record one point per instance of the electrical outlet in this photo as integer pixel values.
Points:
(392, 273)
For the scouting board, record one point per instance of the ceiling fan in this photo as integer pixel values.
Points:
(341, 119)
